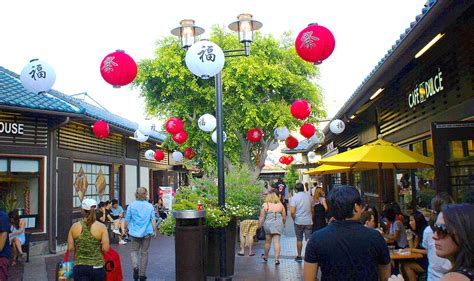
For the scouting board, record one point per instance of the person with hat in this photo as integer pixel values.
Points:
(88, 238)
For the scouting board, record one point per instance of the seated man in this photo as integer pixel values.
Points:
(118, 226)
(367, 219)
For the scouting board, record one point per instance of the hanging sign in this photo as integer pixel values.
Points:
(426, 90)
(11, 128)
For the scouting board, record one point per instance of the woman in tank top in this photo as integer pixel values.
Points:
(88, 238)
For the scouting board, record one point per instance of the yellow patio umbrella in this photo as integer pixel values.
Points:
(379, 155)
(326, 169)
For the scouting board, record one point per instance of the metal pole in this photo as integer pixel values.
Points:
(220, 175)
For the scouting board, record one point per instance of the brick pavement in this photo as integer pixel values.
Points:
(162, 262)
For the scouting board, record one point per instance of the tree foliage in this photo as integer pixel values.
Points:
(257, 92)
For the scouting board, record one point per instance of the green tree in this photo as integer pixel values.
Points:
(257, 92)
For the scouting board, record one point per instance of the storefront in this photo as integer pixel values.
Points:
(50, 160)
(420, 96)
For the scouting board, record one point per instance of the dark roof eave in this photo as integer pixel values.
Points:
(39, 111)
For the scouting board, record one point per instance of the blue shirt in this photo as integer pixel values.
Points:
(5, 227)
(116, 211)
(139, 215)
(347, 251)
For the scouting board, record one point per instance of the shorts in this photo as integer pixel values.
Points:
(300, 229)
(248, 228)
(90, 273)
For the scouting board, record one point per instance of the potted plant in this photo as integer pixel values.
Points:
(243, 199)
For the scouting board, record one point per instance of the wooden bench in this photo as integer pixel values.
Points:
(31, 222)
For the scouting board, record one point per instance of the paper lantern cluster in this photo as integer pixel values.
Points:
(315, 43)
(37, 76)
(118, 69)
(205, 59)
(286, 160)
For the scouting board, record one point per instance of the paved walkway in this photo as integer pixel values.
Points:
(161, 264)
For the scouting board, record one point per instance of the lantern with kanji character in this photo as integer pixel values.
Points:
(174, 125)
(291, 142)
(207, 122)
(337, 126)
(37, 76)
(180, 137)
(149, 154)
(101, 129)
(315, 43)
(307, 130)
(311, 156)
(214, 136)
(146, 127)
(205, 59)
(118, 69)
(300, 109)
(159, 155)
(139, 136)
(254, 135)
(281, 133)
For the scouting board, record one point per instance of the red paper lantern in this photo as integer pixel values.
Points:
(307, 130)
(180, 137)
(289, 159)
(189, 153)
(291, 142)
(254, 135)
(283, 160)
(101, 129)
(118, 69)
(315, 43)
(174, 125)
(300, 109)
(159, 155)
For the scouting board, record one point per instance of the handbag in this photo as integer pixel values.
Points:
(64, 269)
(113, 266)
(261, 233)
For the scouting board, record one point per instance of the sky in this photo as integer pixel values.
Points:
(74, 37)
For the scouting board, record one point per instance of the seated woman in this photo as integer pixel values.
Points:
(17, 234)
(397, 234)
(412, 268)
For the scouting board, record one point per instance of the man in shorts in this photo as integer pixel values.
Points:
(301, 212)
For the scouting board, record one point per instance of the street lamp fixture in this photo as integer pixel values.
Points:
(245, 26)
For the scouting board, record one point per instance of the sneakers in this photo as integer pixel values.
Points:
(116, 231)
(122, 242)
(298, 259)
(135, 274)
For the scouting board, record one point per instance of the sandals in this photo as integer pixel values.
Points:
(277, 262)
(265, 259)
(240, 254)
(251, 254)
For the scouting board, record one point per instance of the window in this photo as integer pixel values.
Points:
(117, 184)
(20, 185)
(91, 181)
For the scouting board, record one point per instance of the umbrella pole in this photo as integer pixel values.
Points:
(379, 186)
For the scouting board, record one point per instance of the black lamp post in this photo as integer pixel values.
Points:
(187, 31)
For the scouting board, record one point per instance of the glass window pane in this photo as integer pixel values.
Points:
(24, 165)
(429, 147)
(456, 150)
(3, 165)
(418, 147)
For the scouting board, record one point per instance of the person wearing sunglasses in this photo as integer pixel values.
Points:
(454, 240)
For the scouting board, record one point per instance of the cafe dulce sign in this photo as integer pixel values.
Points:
(426, 89)
(11, 128)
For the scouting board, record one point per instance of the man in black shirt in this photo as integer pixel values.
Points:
(346, 250)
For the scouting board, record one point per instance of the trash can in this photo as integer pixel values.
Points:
(190, 245)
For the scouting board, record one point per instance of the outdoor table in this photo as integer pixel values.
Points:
(395, 255)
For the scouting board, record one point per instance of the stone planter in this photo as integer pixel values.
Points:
(213, 258)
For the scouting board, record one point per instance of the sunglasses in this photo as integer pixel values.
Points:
(440, 230)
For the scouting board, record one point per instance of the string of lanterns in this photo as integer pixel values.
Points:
(314, 44)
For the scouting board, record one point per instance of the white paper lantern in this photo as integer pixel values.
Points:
(177, 156)
(37, 76)
(139, 136)
(207, 122)
(318, 137)
(337, 126)
(205, 59)
(273, 145)
(311, 156)
(150, 154)
(146, 127)
(214, 136)
(281, 133)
